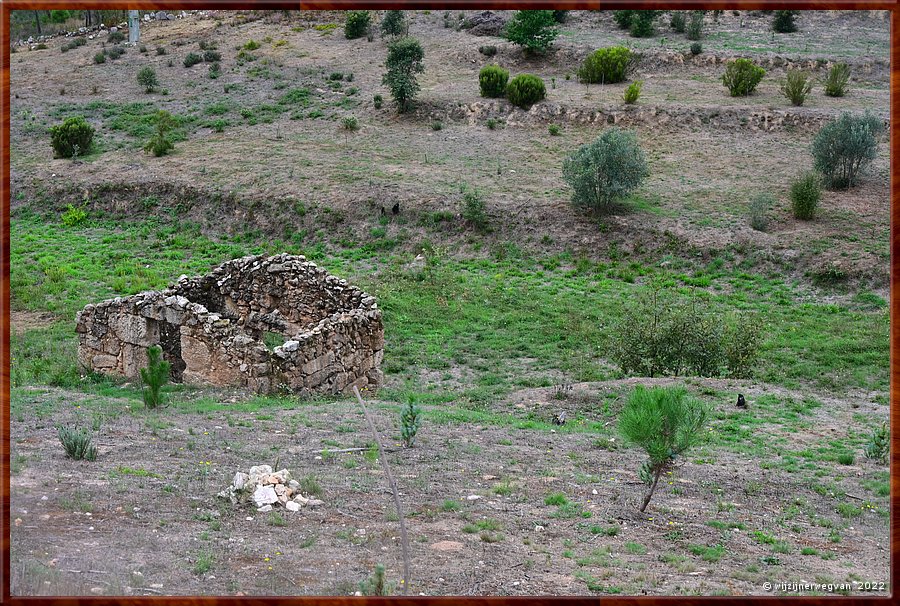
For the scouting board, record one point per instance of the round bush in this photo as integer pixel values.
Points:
(525, 90)
(357, 24)
(742, 76)
(696, 48)
(492, 79)
(805, 195)
(601, 172)
(71, 138)
(146, 77)
(633, 91)
(844, 148)
(606, 65)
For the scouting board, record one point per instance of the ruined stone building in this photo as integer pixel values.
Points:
(265, 323)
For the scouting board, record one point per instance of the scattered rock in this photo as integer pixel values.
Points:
(267, 489)
(485, 23)
(292, 506)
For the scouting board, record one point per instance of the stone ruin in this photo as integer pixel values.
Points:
(220, 329)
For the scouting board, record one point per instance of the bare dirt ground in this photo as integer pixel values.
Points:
(154, 483)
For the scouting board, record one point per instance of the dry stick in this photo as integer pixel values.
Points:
(387, 471)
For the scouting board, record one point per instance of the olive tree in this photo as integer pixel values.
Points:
(606, 170)
(404, 61)
(844, 148)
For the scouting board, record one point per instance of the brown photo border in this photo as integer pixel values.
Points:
(8, 5)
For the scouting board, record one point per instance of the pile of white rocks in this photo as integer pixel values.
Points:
(267, 489)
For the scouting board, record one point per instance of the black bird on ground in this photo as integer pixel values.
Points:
(741, 403)
(560, 419)
(396, 209)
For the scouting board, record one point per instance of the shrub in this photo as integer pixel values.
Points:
(760, 206)
(437, 125)
(393, 24)
(642, 24)
(879, 444)
(375, 584)
(783, 21)
(696, 48)
(695, 25)
(357, 24)
(560, 16)
(742, 76)
(796, 86)
(665, 423)
(215, 70)
(160, 144)
(350, 123)
(843, 149)
(211, 56)
(77, 444)
(74, 216)
(805, 195)
(677, 21)
(836, 82)
(492, 80)
(633, 91)
(404, 61)
(623, 18)
(115, 37)
(192, 59)
(409, 423)
(488, 51)
(146, 77)
(377, 101)
(99, 58)
(160, 50)
(474, 210)
(554, 129)
(154, 377)
(251, 45)
(741, 342)
(607, 65)
(491, 123)
(604, 171)
(71, 138)
(114, 52)
(525, 90)
(533, 30)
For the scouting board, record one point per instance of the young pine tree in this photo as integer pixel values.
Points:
(154, 377)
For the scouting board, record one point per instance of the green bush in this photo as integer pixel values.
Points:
(115, 37)
(742, 76)
(160, 144)
(99, 58)
(74, 216)
(71, 138)
(602, 172)
(554, 130)
(154, 377)
(77, 444)
(192, 59)
(350, 123)
(488, 51)
(796, 86)
(783, 21)
(760, 206)
(695, 25)
(474, 210)
(377, 101)
(665, 423)
(525, 90)
(211, 56)
(805, 195)
(409, 423)
(642, 24)
(677, 21)
(160, 50)
(533, 30)
(607, 65)
(741, 342)
(492, 80)
(215, 70)
(879, 444)
(836, 82)
(696, 48)
(357, 24)
(633, 91)
(404, 61)
(146, 77)
(115, 52)
(393, 24)
(843, 149)
(623, 18)
(251, 45)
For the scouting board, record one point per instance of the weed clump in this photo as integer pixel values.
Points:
(836, 82)
(77, 444)
(474, 210)
(607, 65)
(665, 423)
(805, 195)
(525, 90)
(741, 77)
(796, 87)
(115, 37)
(492, 80)
(695, 25)
(844, 149)
(696, 48)
(760, 206)
(71, 138)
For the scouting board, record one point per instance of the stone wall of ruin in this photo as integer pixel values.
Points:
(212, 329)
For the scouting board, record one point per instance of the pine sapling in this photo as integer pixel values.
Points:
(409, 423)
(154, 377)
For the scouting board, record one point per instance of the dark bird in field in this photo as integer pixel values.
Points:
(741, 403)
(396, 208)
(560, 419)
(383, 213)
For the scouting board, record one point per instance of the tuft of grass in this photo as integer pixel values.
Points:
(556, 498)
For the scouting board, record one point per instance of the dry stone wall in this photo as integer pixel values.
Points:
(213, 329)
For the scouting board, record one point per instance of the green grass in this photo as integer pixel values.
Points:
(708, 553)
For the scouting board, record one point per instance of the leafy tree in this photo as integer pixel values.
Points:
(393, 24)
(534, 30)
(404, 61)
(666, 423)
(604, 171)
(843, 149)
